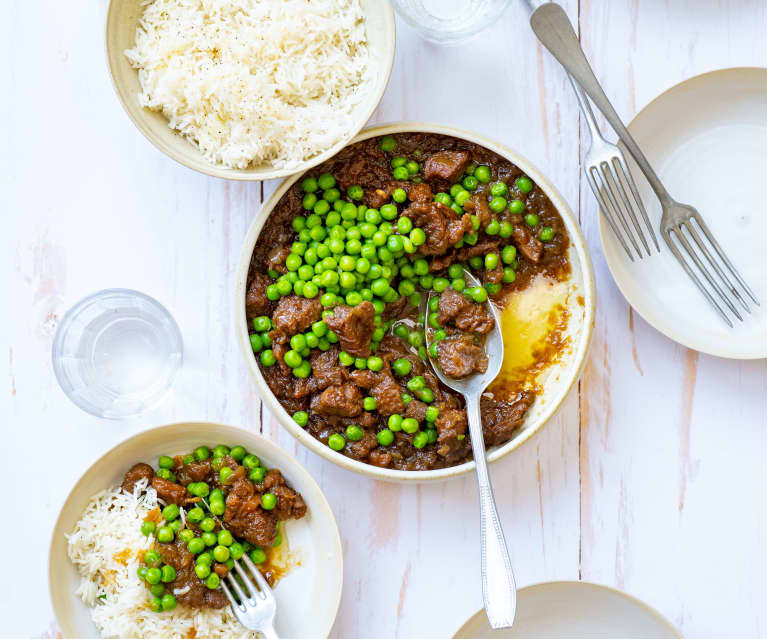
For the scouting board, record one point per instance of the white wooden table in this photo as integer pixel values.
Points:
(649, 479)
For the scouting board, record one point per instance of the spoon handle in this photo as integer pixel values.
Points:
(499, 589)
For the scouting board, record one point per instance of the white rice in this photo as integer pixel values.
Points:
(119, 601)
(253, 82)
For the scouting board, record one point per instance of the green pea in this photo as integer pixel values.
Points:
(387, 143)
(217, 507)
(336, 441)
(478, 294)
(401, 366)
(404, 224)
(303, 370)
(400, 173)
(267, 358)
(202, 570)
(524, 184)
(236, 550)
(147, 528)
(406, 399)
(415, 338)
(441, 284)
(412, 167)
(426, 395)
(547, 234)
(508, 254)
(531, 219)
(476, 262)
(221, 554)
(166, 474)
(499, 189)
(153, 575)
(369, 403)
(395, 422)
(326, 181)
(204, 558)
(185, 535)
(156, 604)
(257, 556)
(432, 412)
(420, 440)
(443, 198)
(354, 433)
(482, 173)
(170, 512)
(458, 284)
(207, 524)
(497, 204)
(166, 462)
(355, 192)
(257, 474)
(141, 572)
(309, 185)
(196, 546)
(417, 236)
(399, 195)
(470, 182)
(165, 535)
(157, 590)
(400, 160)
(385, 437)
(168, 574)
(375, 363)
(212, 581)
(517, 207)
(491, 261)
(209, 539)
(409, 425)
(492, 288)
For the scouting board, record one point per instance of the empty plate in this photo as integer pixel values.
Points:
(574, 610)
(707, 139)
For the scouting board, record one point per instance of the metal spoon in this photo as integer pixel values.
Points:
(499, 589)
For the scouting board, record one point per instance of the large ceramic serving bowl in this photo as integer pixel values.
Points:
(556, 381)
(309, 594)
(122, 19)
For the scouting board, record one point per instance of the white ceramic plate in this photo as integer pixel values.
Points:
(309, 594)
(574, 610)
(707, 140)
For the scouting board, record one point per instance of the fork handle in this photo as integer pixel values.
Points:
(499, 590)
(553, 28)
(268, 632)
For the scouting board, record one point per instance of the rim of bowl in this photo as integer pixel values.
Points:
(264, 443)
(589, 584)
(578, 356)
(200, 164)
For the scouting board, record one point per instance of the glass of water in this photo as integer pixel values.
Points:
(117, 352)
(450, 21)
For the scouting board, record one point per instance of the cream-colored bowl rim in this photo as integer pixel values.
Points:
(590, 584)
(579, 356)
(264, 444)
(194, 159)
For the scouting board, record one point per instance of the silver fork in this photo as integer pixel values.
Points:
(612, 184)
(256, 607)
(499, 589)
(679, 223)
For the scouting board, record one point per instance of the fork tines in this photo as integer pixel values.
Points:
(619, 199)
(680, 233)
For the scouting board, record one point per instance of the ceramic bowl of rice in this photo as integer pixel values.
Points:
(250, 89)
(97, 542)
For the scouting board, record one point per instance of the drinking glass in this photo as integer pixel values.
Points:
(116, 353)
(450, 21)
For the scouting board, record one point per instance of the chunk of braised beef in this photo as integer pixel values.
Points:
(245, 518)
(388, 395)
(441, 225)
(380, 457)
(478, 205)
(527, 244)
(459, 356)
(354, 326)
(189, 588)
(326, 371)
(293, 315)
(362, 448)
(500, 418)
(344, 401)
(392, 347)
(446, 165)
(494, 275)
(451, 424)
(256, 301)
(451, 304)
(364, 378)
(481, 248)
(194, 471)
(279, 379)
(276, 257)
(441, 262)
(416, 409)
(135, 474)
(169, 492)
(290, 504)
(419, 192)
(475, 319)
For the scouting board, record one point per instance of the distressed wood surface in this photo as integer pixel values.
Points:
(648, 479)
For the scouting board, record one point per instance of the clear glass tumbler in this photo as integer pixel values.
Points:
(450, 21)
(117, 352)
